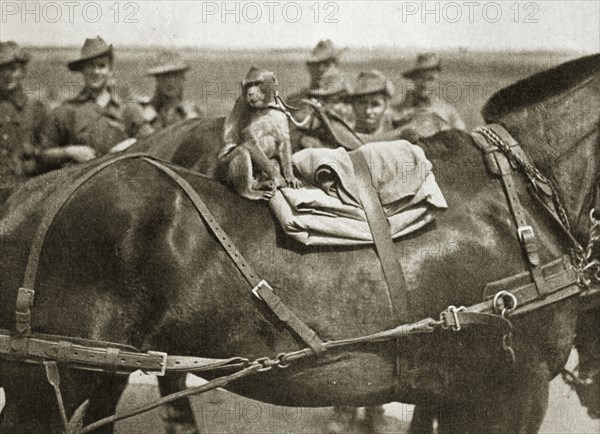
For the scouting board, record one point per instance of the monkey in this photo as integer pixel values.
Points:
(257, 135)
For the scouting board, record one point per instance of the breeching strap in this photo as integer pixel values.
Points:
(26, 292)
(261, 289)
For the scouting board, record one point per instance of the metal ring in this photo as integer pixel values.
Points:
(504, 310)
(594, 221)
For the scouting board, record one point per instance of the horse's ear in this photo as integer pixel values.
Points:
(236, 121)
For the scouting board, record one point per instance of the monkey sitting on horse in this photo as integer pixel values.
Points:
(257, 136)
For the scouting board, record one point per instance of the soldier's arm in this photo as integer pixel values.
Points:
(55, 150)
(136, 124)
(31, 148)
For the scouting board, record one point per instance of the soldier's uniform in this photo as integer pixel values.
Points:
(84, 121)
(81, 121)
(161, 111)
(22, 121)
(416, 104)
(161, 115)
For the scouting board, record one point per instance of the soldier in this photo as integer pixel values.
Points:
(371, 103)
(422, 99)
(94, 121)
(323, 61)
(21, 120)
(167, 106)
(332, 92)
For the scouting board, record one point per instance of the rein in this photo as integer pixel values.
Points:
(513, 296)
(324, 116)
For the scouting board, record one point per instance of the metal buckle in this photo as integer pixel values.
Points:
(521, 231)
(163, 364)
(262, 283)
(454, 311)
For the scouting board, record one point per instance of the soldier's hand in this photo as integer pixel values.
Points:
(81, 153)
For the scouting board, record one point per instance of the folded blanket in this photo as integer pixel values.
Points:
(328, 212)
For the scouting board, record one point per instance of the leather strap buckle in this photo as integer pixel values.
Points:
(163, 363)
(262, 284)
(528, 240)
(23, 310)
(525, 233)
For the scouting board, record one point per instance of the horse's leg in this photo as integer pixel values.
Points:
(104, 400)
(177, 416)
(31, 405)
(587, 343)
(422, 419)
(519, 407)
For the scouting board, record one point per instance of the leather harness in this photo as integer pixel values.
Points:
(541, 285)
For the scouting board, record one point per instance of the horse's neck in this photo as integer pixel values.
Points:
(560, 136)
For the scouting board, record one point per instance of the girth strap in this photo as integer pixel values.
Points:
(382, 237)
(261, 288)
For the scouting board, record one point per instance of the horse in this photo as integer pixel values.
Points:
(127, 264)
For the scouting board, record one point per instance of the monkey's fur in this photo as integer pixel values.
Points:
(257, 136)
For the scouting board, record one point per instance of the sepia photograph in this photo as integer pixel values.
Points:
(300, 217)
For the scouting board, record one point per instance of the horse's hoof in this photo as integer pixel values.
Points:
(178, 421)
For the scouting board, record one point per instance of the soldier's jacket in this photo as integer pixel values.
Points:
(81, 121)
(412, 104)
(22, 122)
(160, 115)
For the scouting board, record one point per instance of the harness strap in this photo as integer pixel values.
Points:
(261, 289)
(525, 233)
(88, 355)
(26, 293)
(382, 237)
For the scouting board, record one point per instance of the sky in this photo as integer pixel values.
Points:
(519, 25)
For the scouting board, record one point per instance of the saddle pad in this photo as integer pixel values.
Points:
(327, 211)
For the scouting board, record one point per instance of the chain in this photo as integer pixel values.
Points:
(529, 169)
(586, 270)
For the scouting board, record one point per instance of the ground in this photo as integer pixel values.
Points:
(222, 412)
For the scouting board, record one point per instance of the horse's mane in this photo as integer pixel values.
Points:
(539, 87)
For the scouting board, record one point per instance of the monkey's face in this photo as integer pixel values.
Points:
(259, 94)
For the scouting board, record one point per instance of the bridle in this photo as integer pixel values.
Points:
(546, 195)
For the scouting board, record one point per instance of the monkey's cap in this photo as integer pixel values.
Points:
(256, 75)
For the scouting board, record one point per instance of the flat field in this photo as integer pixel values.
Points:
(469, 77)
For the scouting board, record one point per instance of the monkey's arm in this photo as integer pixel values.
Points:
(285, 156)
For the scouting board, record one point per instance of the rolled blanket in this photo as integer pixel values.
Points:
(328, 212)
